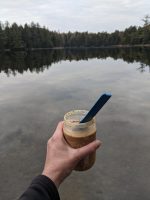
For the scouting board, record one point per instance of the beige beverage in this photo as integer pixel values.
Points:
(80, 134)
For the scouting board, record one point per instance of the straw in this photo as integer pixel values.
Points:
(98, 105)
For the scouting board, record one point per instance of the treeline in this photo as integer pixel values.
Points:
(32, 36)
(38, 61)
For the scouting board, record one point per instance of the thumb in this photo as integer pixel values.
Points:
(90, 148)
(59, 129)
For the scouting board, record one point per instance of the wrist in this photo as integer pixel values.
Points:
(54, 176)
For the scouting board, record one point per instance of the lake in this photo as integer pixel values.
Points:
(38, 88)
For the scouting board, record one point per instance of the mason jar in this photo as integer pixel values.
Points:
(80, 134)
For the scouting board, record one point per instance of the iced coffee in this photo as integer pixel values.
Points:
(80, 134)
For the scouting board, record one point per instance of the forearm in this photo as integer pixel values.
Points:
(41, 188)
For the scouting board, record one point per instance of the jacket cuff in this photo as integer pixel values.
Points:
(48, 185)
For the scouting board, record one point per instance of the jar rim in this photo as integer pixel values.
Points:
(76, 123)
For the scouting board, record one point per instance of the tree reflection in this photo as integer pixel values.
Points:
(143, 67)
(38, 61)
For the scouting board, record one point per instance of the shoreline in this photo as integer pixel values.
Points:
(82, 47)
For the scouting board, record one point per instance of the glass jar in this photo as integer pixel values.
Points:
(80, 134)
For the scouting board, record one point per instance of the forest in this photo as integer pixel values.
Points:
(32, 36)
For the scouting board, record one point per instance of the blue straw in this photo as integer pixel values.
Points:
(98, 105)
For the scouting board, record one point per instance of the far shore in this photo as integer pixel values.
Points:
(81, 47)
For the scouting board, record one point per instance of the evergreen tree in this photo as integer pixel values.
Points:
(2, 37)
(146, 20)
(32, 36)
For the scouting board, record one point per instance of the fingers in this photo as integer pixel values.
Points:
(59, 129)
(80, 152)
(90, 148)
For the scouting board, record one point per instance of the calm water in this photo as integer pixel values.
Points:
(38, 88)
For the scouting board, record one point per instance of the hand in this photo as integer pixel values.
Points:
(61, 159)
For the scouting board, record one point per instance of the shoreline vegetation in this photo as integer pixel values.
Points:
(30, 37)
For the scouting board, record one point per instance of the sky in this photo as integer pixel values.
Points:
(76, 15)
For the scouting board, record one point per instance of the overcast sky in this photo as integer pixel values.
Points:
(80, 15)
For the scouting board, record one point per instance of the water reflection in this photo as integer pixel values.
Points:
(19, 62)
(143, 67)
(31, 105)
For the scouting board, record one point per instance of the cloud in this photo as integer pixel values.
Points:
(81, 15)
